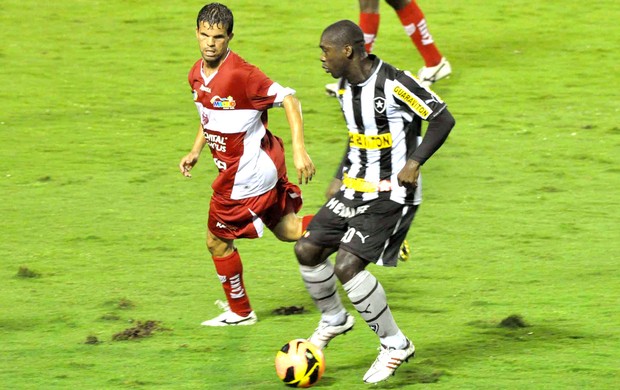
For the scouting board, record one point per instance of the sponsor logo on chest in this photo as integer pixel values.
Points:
(227, 103)
(216, 142)
(363, 141)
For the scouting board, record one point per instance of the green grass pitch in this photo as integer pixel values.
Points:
(101, 233)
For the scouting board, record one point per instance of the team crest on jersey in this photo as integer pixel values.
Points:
(227, 103)
(380, 105)
(204, 118)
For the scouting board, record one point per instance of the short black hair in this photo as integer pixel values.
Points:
(345, 32)
(216, 14)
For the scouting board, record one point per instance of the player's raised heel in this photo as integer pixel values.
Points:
(325, 332)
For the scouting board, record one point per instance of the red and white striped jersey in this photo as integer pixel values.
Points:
(232, 104)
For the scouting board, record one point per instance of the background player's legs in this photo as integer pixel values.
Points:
(369, 22)
(436, 67)
(413, 21)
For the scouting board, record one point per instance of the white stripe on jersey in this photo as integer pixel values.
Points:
(256, 173)
(232, 121)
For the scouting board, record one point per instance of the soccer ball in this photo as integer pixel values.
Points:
(299, 363)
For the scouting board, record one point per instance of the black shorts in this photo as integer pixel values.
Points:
(372, 230)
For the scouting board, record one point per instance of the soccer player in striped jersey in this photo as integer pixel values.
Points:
(251, 190)
(436, 67)
(367, 219)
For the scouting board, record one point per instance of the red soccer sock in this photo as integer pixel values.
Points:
(369, 23)
(413, 21)
(305, 221)
(230, 271)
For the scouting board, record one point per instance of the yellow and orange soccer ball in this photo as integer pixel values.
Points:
(299, 363)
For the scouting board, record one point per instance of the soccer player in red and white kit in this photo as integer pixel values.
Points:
(251, 190)
(412, 18)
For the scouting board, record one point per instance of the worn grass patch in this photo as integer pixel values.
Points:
(140, 330)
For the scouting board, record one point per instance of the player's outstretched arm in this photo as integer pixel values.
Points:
(303, 164)
(188, 161)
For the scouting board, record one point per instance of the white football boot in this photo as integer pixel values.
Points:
(387, 362)
(229, 318)
(429, 75)
(325, 332)
(331, 89)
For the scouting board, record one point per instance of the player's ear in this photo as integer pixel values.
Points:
(230, 36)
(348, 51)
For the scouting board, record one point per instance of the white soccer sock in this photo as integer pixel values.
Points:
(368, 297)
(397, 341)
(320, 282)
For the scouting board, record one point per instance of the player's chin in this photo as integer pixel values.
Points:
(211, 57)
(335, 75)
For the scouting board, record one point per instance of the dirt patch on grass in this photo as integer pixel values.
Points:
(288, 310)
(514, 321)
(139, 331)
(92, 340)
(25, 272)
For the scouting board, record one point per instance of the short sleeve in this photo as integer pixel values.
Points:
(265, 93)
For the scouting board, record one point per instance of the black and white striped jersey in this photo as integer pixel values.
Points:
(384, 118)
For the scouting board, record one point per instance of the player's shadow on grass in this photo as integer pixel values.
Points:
(489, 339)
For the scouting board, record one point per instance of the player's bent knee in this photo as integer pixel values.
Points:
(347, 266)
(307, 253)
